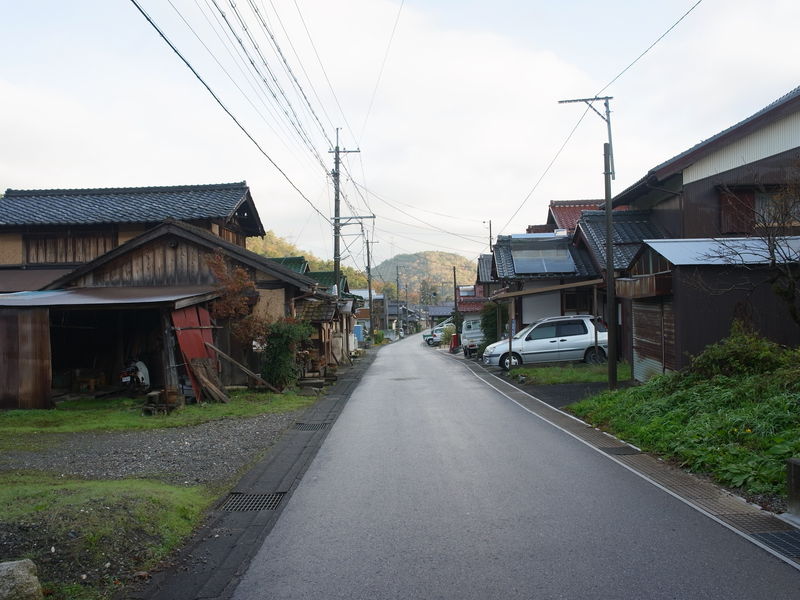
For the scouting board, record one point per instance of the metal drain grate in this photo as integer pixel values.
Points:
(620, 450)
(785, 542)
(252, 502)
(757, 524)
(310, 426)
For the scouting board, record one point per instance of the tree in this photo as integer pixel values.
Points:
(772, 216)
(428, 292)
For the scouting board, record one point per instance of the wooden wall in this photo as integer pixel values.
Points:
(25, 363)
(67, 247)
(165, 262)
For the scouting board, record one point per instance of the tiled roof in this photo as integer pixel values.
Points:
(123, 205)
(566, 213)
(440, 311)
(316, 311)
(485, 268)
(298, 264)
(629, 229)
(326, 279)
(504, 259)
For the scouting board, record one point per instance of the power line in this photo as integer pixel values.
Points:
(580, 120)
(225, 108)
(380, 73)
(322, 66)
(288, 68)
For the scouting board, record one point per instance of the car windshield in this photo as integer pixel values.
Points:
(524, 331)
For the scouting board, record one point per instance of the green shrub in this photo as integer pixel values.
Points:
(742, 352)
(279, 365)
(733, 414)
(378, 337)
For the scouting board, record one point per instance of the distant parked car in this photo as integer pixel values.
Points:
(552, 339)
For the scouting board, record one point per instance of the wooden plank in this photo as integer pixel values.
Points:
(9, 358)
(207, 376)
(243, 368)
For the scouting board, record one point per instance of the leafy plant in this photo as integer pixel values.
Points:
(734, 413)
(279, 343)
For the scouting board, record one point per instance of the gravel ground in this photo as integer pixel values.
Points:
(209, 454)
(212, 454)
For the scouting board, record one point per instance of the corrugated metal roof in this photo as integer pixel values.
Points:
(725, 251)
(17, 280)
(299, 264)
(685, 158)
(122, 205)
(103, 296)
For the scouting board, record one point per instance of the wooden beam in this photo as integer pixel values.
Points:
(552, 288)
(255, 376)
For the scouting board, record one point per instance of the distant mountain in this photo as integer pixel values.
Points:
(427, 275)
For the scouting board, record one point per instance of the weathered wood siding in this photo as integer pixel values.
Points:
(25, 363)
(68, 247)
(162, 263)
(653, 338)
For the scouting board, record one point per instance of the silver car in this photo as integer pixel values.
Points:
(552, 339)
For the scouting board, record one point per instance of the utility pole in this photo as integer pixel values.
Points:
(611, 300)
(399, 318)
(337, 259)
(455, 299)
(369, 282)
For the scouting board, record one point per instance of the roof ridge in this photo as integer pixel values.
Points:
(122, 190)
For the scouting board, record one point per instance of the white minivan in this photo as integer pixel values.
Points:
(553, 339)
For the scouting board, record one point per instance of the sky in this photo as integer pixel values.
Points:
(452, 104)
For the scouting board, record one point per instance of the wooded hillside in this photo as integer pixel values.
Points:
(427, 275)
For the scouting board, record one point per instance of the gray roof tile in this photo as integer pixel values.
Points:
(629, 227)
(121, 205)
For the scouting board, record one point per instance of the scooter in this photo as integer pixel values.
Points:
(135, 377)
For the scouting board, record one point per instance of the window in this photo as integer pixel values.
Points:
(543, 332)
(568, 328)
(776, 208)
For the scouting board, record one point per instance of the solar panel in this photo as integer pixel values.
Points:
(543, 260)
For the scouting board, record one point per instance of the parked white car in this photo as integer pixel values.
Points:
(552, 339)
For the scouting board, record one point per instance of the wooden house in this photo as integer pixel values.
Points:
(148, 298)
(45, 234)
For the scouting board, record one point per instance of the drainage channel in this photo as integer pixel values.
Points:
(760, 527)
(252, 502)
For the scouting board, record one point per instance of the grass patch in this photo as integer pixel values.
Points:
(571, 373)
(115, 414)
(733, 414)
(88, 537)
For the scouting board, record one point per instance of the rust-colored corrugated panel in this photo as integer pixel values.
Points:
(34, 364)
(9, 357)
(193, 330)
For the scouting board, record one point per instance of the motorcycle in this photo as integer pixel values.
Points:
(135, 377)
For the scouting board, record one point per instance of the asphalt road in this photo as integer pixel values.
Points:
(432, 485)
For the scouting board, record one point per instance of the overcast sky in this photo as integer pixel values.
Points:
(459, 129)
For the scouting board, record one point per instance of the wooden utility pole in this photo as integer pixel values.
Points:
(611, 297)
(337, 226)
(608, 175)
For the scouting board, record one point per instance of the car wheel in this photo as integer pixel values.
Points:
(506, 363)
(429, 341)
(594, 356)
